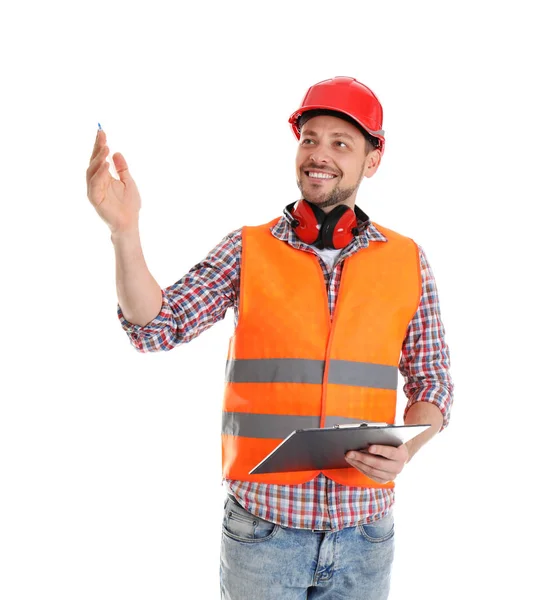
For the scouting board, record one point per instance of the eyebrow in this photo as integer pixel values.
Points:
(335, 135)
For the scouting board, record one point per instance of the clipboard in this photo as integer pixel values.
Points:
(325, 448)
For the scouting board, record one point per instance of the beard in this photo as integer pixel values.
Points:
(337, 195)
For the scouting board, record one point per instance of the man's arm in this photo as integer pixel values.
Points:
(425, 363)
(159, 319)
(138, 293)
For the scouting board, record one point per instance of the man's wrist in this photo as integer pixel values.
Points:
(119, 235)
(423, 413)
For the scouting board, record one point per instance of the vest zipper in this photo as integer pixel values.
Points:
(330, 338)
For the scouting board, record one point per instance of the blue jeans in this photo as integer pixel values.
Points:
(263, 561)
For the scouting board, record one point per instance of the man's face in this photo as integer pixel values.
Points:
(331, 161)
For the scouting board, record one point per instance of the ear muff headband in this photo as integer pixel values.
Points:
(338, 226)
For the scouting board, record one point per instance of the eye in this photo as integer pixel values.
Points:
(306, 142)
(342, 144)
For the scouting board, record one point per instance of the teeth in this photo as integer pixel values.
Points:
(321, 175)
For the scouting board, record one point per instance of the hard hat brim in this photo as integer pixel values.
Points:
(294, 117)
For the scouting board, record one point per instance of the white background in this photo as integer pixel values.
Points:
(106, 489)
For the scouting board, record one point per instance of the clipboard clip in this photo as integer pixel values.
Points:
(362, 424)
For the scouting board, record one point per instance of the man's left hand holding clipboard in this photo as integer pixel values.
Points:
(381, 463)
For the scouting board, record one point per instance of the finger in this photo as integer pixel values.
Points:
(380, 477)
(377, 474)
(100, 140)
(369, 459)
(385, 451)
(399, 455)
(96, 162)
(97, 179)
(377, 467)
(121, 168)
(96, 146)
(379, 462)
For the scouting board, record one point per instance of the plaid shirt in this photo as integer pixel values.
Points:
(202, 297)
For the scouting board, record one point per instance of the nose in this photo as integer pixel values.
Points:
(314, 159)
(319, 154)
(317, 157)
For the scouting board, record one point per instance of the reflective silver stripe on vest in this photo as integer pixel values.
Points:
(275, 370)
(348, 372)
(300, 370)
(265, 426)
(255, 425)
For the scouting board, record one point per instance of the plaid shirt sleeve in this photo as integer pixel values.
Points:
(425, 358)
(193, 303)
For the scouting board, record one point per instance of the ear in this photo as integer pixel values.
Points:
(372, 162)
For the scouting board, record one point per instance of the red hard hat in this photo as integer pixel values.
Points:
(345, 95)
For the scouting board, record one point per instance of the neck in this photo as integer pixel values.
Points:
(350, 203)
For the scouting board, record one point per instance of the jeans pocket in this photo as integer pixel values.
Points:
(241, 525)
(378, 531)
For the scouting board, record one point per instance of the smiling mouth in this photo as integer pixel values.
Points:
(320, 176)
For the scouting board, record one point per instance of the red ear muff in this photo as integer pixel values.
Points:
(313, 226)
(338, 227)
(306, 220)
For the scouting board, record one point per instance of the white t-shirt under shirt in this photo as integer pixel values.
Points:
(328, 255)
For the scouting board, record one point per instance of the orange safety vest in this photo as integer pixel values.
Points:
(290, 366)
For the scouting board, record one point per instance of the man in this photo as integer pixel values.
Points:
(301, 355)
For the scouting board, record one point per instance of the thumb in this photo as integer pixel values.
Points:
(122, 168)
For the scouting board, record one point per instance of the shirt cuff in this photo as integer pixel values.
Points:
(437, 396)
(161, 321)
